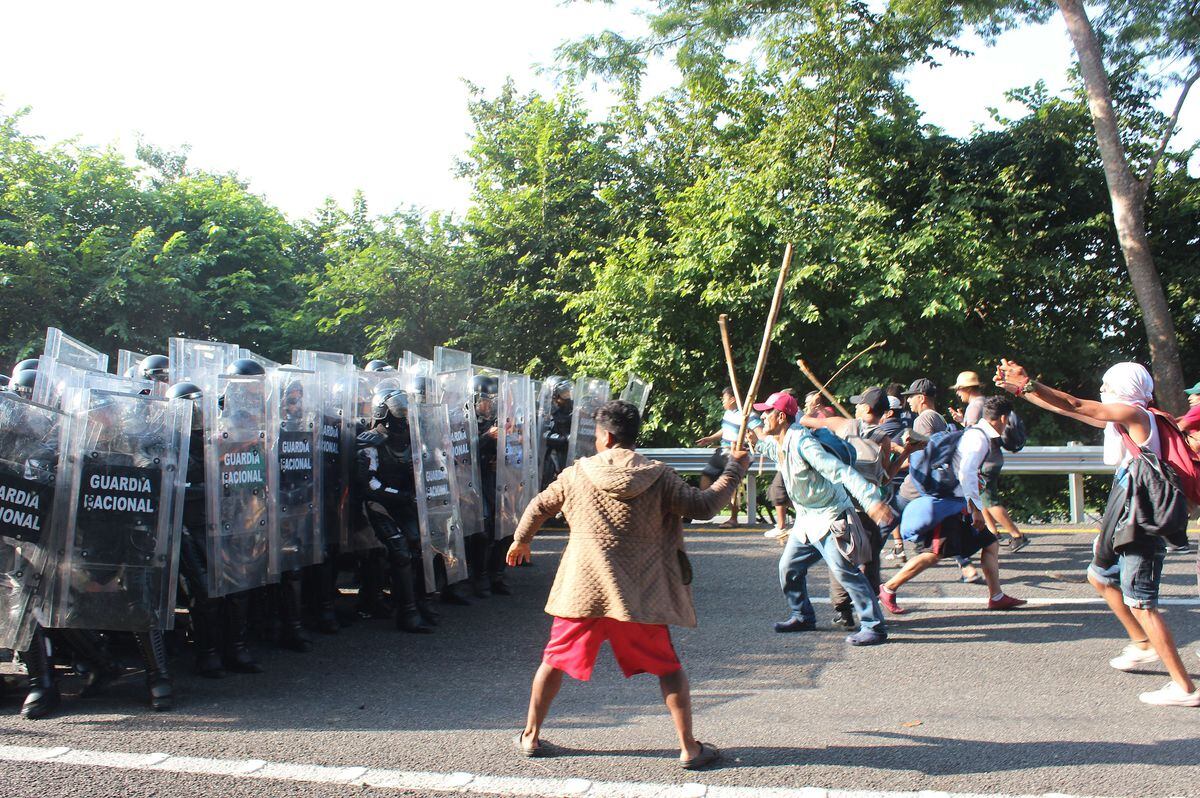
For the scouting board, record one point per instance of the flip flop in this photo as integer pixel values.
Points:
(729, 525)
(539, 751)
(708, 754)
(977, 579)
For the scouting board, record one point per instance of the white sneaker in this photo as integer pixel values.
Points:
(1171, 695)
(773, 533)
(1131, 658)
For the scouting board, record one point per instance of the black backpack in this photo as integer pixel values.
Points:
(1014, 436)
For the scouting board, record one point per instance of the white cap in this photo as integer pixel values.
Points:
(894, 402)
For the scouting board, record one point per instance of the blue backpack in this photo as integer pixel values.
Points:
(932, 469)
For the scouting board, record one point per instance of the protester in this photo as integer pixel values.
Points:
(826, 526)
(921, 398)
(777, 493)
(624, 575)
(1128, 579)
(816, 406)
(1189, 422)
(970, 393)
(896, 391)
(938, 523)
(731, 423)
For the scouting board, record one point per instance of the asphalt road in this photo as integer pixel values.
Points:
(958, 700)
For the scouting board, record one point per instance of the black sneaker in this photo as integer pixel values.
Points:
(795, 625)
(1016, 544)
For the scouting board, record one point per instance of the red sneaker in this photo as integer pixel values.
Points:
(1006, 602)
(888, 600)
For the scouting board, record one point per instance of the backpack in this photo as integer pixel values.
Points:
(1014, 435)
(855, 451)
(1176, 453)
(838, 447)
(1153, 502)
(932, 468)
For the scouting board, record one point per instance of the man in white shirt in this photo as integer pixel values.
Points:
(938, 524)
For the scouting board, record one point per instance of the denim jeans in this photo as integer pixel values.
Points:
(799, 556)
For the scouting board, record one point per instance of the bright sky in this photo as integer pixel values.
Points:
(306, 100)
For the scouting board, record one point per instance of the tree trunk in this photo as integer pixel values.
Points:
(1128, 197)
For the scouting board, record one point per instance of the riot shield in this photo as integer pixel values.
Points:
(455, 388)
(516, 452)
(235, 483)
(637, 393)
(445, 359)
(553, 428)
(265, 362)
(200, 362)
(31, 439)
(338, 385)
(62, 386)
(128, 360)
(590, 393)
(437, 493)
(122, 490)
(66, 349)
(360, 535)
(293, 470)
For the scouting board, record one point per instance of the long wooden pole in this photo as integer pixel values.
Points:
(820, 387)
(761, 365)
(723, 323)
(850, 362)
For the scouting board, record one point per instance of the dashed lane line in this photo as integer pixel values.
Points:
(430, 782)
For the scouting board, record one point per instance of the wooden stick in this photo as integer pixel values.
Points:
(722, 322)
(850, 362)
(817, 383)
(761, 365)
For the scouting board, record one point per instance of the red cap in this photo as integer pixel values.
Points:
(780, 401)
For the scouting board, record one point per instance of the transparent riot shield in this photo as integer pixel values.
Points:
(445, 359)
(590, 393)
(555, 410)
(338, 386)
(235, 483)
(66, 349)
(128, 361)
(122, 487)
(637, 393)
(437, 493)
(62, 387)
(516, 452)
(266, 362)
(455, 389)
(293, 469)
(200, 362)
(360, 535)
(31, 440)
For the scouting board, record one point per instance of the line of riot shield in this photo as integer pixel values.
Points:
(31, 440)
(437, 494)
(199, 362)
(338, 386)
(590, 394)
(72, 352)
(293, 469)
(120, 511)
(235, 484)
(62, 386)
(455, 389)
(516, 452)
(637, 393)
(446, 359)
(555, 409)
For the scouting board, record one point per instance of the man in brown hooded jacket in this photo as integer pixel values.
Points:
(624, 575)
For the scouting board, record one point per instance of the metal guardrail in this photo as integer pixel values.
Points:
(1073, 461)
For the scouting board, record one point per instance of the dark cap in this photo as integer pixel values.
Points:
(921, 386)
(874, 398)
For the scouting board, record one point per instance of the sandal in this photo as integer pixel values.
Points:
(539, 750)
(977, 579)
(730, 524)
(707, 755)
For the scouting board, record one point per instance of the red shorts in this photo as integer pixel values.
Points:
(639, 647)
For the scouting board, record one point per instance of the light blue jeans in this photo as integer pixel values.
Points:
(799, 556)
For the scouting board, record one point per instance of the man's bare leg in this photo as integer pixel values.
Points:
(989, 558)
(1116, 602)
(1164, 645)
(919, 563)
(546, 684)
(678, 697)
(1003, 520)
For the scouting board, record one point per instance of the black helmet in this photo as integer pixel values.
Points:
(424, 386)
(562, 386)
(22, 382)
(378, 365)
(184, 390)
(29, 364)
(155, 367)
(484, 385)
(245, 367)
(393, 403)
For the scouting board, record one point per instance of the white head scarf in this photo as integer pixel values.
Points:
(1124, 384)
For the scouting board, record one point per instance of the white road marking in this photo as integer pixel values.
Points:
(467, 783)
(1037, 601)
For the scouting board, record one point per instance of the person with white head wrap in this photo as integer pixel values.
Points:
(1130, 585)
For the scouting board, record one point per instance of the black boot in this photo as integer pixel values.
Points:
(206, 625)
(97, 663)
(408, 617)
(477, 551)
(326, 585)
(428, 614)
(291, 630)
(158, 678)
(43, 697)
(452, 594)
(237, 654)
(370, 591)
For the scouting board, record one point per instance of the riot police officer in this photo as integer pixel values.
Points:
(486, 390)
(387, 485)
(558, 431)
